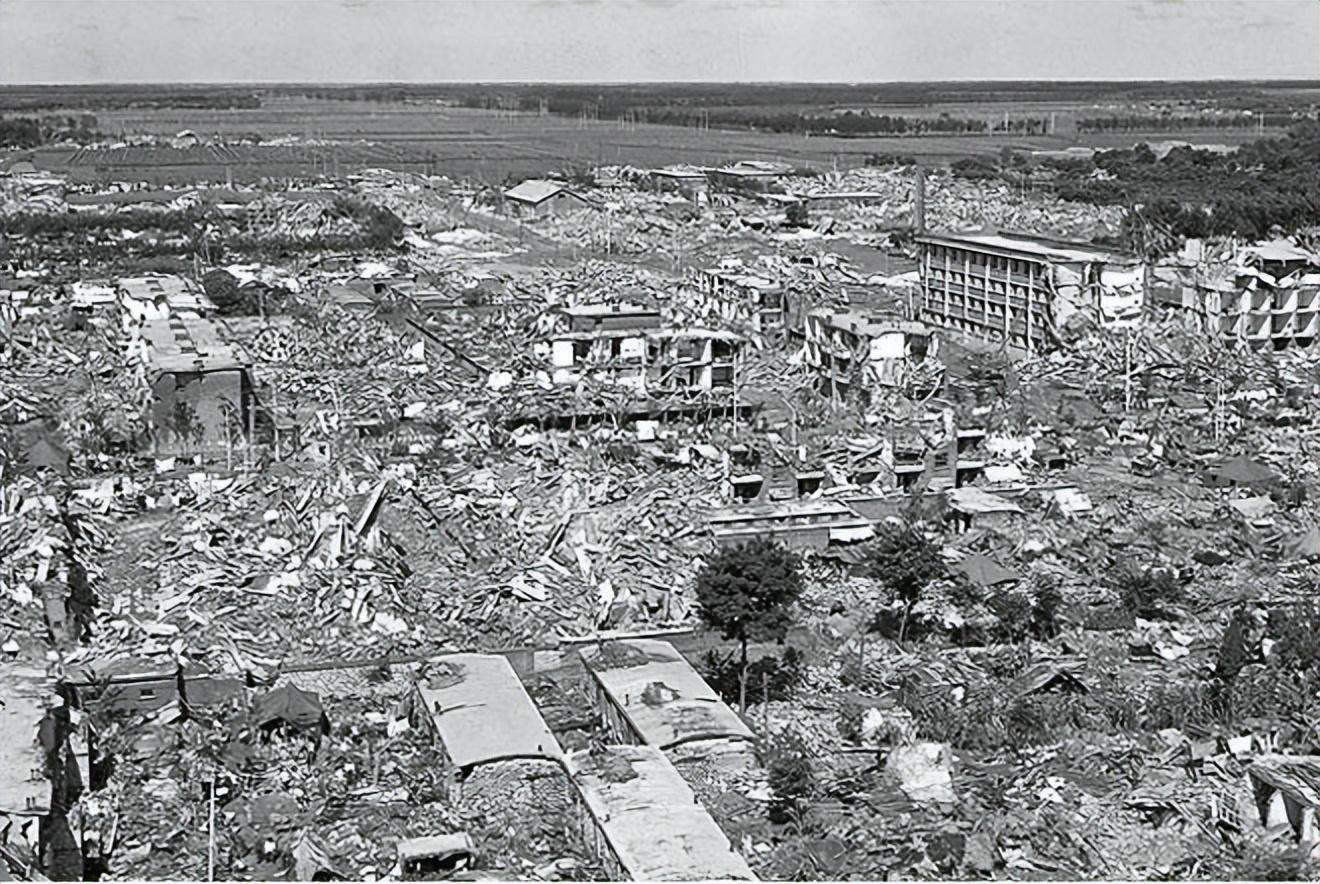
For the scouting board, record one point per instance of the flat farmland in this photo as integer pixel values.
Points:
(486, 145)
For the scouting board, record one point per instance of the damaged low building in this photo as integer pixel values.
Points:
(496, 751)
(645, 822)
(649, 694)
(537, 198)
(202, 395)
(1022, 289)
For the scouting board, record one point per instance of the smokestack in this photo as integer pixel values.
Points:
(919, 203)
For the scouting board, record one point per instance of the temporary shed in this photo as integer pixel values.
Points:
(650, 694)
(1241, 471)
(537, 197)
(287, 705)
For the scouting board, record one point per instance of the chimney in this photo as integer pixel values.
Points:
(919, 203)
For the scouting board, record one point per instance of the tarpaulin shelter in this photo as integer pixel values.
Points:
(1303, 546)
(43, 452)
(287, 705)
(1241, 471)
(984, 571)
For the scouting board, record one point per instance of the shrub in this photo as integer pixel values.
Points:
(1298, 643)
(1233, 651)
(791, 777)
(1146, 593)
(848, 721)
(781, 675)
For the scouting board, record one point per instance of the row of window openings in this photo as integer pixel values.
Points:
(1011, 265)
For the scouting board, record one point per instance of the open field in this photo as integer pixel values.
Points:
(488, 145)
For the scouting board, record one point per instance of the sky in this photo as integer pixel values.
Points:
(340, 41)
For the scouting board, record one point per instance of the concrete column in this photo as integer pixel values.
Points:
(1306, 827)
(1276, 813)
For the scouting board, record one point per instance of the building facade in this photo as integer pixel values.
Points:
(1021, 289)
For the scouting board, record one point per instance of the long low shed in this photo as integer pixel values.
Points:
(481, 713)
(646, 822)
(650, 694)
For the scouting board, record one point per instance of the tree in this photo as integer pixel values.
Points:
(797, 214)
(904, 561)
(745, 593)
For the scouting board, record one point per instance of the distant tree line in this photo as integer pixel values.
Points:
(1267, 183)
(134, 98)
(187, 232)
(1172, 123)
(27, 132)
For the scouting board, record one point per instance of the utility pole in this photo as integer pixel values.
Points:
(210, 835)
(1127, 372)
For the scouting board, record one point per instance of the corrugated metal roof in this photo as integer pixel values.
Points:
(189, 344)
(482, 712)
(664, 699)
(652, 820)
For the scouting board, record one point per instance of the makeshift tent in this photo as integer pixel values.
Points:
(1047, 674)
(984, 572)
(1303, 546)
(1241, 471)
(287, 705)
(45, 453)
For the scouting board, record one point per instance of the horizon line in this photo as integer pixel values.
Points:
(351, 83)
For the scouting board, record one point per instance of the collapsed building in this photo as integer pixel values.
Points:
(1020, 289)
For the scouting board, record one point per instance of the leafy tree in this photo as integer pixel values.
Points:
(746, 593)
(224, 291)
(904, 561)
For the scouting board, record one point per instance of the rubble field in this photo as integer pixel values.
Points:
(267, 451)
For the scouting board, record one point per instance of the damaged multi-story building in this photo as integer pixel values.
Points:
(850, 350)
(627, 345)
(1022, 289)
(740, 297)
(1265, 296)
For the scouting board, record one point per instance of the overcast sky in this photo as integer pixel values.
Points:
(72, 41)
